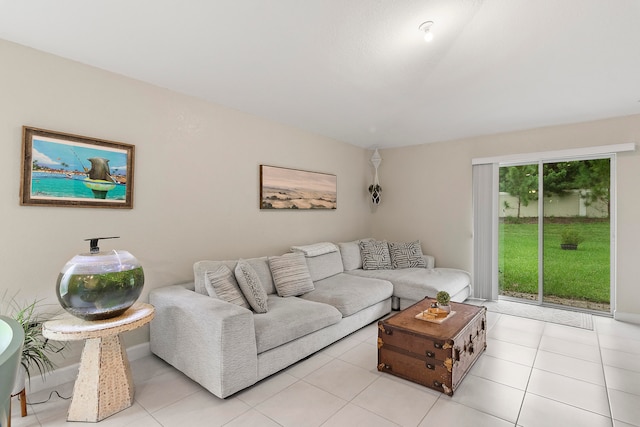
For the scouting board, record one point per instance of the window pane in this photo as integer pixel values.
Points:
(518, 232)
(576, 234)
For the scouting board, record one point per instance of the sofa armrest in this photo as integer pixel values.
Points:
(212, 341)
(431, 261)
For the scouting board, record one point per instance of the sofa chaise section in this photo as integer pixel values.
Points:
(410, 285)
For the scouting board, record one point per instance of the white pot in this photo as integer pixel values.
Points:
(21, 377)
(446, 308)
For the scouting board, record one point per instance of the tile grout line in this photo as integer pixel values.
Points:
(604, 375)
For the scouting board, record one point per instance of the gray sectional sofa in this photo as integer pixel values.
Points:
(226, 347)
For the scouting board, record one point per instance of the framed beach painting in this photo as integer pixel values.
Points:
(60, 169)
(283, 188)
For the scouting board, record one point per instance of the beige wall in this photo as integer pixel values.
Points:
(196, 177)
(418, 183)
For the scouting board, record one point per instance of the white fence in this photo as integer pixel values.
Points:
(570, 205)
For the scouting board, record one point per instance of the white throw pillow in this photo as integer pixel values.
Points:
(251, 287)
(221, 284)
(291, 274)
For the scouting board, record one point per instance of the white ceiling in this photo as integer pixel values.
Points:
(358, 70)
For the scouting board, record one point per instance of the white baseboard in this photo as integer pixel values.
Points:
(70, 373)
(626, 317)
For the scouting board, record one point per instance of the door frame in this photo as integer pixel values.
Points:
(540, 160)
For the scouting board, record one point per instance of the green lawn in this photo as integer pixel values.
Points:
(582, 274)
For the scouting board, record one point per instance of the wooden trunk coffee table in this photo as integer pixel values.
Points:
(435, 354)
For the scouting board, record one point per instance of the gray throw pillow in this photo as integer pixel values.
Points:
(375, 255)
(291, 274)
(251, 287)
(221, 284)
(406, 255)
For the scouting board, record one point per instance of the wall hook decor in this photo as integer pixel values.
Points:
(375, 189)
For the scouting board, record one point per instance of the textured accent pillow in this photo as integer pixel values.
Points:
(251, 287)
(375, 255)
(291, 274)
(406, 255)
(221, 284)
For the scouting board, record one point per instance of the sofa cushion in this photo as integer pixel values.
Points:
(251, 287)
(350, 252)
(221, 283)
(375, 255)
(417, 283)
(289, 319)
(323, 266)
(200, 269)
(406, 255)
(290, 274)
(349, 294)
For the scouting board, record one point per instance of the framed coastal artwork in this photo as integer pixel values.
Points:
(283, 188)
(60, 169)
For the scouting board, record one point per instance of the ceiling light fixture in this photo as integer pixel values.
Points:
(425, 27)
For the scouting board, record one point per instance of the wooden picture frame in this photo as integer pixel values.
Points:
(284, 188)
(61, 169)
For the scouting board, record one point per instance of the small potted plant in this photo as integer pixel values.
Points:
(570, 239)
(36, 350)
(443, 299)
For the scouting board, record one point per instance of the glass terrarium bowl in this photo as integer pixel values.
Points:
(101, 285)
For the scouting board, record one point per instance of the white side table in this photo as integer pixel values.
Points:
(104, 385)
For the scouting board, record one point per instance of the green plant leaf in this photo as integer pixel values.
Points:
(37, 349)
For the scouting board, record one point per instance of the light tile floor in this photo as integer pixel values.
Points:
(532, 374)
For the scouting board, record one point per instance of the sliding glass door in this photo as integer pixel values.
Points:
(554, 241)
(518, 232)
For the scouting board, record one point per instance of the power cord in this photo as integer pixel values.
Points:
(49, 398)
